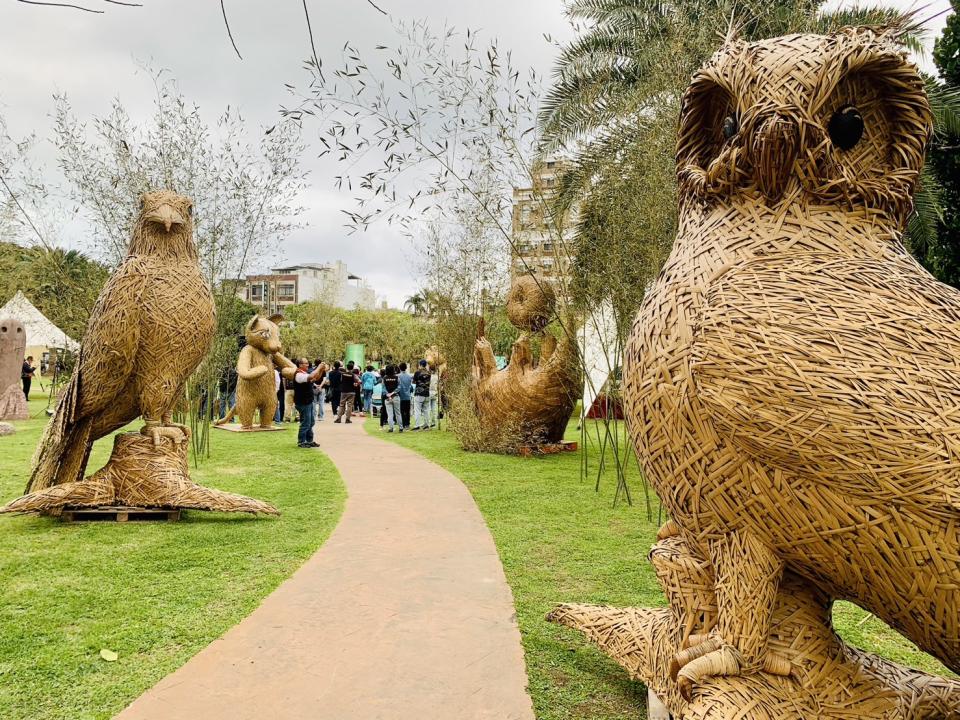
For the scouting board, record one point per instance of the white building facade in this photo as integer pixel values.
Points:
(330, 283)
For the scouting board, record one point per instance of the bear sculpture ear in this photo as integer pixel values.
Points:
(253, 322)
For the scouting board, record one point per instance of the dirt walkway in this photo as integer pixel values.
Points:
(403, 613)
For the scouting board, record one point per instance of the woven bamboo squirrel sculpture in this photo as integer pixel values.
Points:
(256, 390)
(792, 381)
(534, 399)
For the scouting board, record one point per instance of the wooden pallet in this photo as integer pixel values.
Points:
(120, 514)
(548, 449)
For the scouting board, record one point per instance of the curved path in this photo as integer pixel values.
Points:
(403, 613)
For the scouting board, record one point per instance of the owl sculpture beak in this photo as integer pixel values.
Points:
(166, 215)
(776, 143)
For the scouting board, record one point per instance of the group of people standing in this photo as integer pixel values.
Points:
(409, 402)
(402, 392)
(347, 389)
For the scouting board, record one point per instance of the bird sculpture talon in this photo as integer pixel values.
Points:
(182, 428)
(177, 433)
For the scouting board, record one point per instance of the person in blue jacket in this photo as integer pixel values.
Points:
(368, 381)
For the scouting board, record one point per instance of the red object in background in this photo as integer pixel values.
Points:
(602, 409)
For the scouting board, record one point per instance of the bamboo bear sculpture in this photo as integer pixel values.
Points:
(532, 401)
(13, 345)
(792, 386)
(256, 383)
(152, 324)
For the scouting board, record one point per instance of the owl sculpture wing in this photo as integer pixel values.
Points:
(845, 369)
(91, 406)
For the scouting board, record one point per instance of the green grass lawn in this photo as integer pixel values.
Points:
(154, 593)
(560, 541)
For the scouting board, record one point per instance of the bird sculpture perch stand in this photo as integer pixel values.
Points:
(792, 389)
(149, 330)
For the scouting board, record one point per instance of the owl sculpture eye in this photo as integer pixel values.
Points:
(730, 125)
(845, 127)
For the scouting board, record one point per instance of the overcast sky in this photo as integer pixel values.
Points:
(44, 50)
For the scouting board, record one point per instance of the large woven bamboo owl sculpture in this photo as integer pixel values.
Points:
(793, 377)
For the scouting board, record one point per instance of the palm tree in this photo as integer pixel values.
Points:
(622, 80)
(416, 304)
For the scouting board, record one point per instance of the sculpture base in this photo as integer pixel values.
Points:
(13, 405)
(139, 474)
(238, 428)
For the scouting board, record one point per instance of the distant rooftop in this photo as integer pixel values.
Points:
(326, 267)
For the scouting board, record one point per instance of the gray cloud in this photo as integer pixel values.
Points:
(91, 58)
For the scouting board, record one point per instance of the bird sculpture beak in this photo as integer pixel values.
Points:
(776, 144)
(166, 215)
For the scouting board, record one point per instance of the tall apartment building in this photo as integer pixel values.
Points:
(538, 245)
(291, 284)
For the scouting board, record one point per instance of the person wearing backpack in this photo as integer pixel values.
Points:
(421, 397)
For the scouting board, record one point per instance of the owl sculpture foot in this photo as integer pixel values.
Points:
(711, 657)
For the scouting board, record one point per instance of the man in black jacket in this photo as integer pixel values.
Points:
(303, 400)
(26, 375)
(333, 389)
(349, 383)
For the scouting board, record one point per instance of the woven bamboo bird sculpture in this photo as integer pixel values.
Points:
(793, 377)
(151, 326)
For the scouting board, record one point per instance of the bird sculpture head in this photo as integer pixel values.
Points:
(823, 119)
(164, 225)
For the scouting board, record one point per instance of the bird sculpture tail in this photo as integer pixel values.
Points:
(64, 448)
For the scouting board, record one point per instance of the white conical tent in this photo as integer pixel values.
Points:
(40, 331)
(599, 342)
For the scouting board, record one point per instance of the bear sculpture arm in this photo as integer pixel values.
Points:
(287, 369)
(246, 368)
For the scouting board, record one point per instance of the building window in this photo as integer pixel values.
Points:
(286, 291)
(256, 292)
